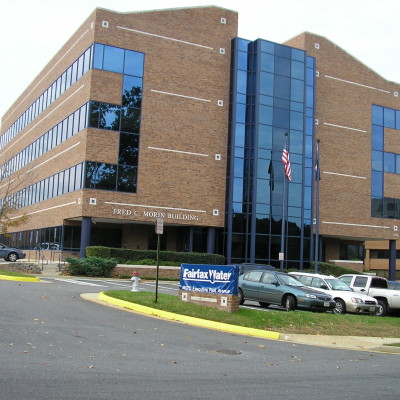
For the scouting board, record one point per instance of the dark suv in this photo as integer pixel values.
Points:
(246, 267)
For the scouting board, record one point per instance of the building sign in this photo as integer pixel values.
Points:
(217, 279)
(154, 214)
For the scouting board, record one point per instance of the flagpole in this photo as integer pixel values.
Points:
(283, 223)
(317, 178)
(285, 159)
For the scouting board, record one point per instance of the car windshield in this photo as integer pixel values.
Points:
(336, 284)
(289, 280)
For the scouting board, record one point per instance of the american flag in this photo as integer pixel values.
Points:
(286, 162)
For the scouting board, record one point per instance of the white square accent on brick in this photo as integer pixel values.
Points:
(224, 301)
(223, 20)
(215, 212)
(396, 94)
(220, 103)
(317, 46)
(218, 157)
(184, 297)
(93, 201)
(221, 50)
(104, 24)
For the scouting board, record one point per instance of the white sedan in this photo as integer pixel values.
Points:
(347, 300)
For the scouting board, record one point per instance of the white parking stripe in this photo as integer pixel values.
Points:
(78, 282)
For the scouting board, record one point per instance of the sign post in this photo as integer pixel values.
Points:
(159, 232)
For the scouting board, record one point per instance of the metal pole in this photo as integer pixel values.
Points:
(158, 264)
(283, 222)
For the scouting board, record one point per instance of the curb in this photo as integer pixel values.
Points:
(18, 278)
(219, 326)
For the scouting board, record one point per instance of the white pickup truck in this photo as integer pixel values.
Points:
(376, 287)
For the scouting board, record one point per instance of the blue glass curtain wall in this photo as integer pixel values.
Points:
(272, 93)
(383, 162)
(124, 118)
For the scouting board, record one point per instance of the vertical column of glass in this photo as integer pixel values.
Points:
(236, 219)
(383, 162)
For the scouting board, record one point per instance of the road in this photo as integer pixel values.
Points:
(55, 345)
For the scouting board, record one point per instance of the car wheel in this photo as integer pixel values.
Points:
(263, 305)
(12, 257)
(382, 308)
(241, 297)
(290, 303)
(340, 307)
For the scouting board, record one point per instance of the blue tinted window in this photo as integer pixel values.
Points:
(298, 55)
(397, 163)
(265, 136)
(397, 119)
(296, 142)
(377, 184)
(241, 113)
(310, 76)
(128, 149)
(389, 162)
(282, 66)
(309, 96)
(239, 135)
(281, 118)
(297, 92)
(238, 167)
(109, 117)
(242, 60)
(265, 115)
(377, 137)
(266, 83)
(133, 64)
(282, 87)
(113, 59)
(377, 115)
(242, 44)
(238, 190)
(282, 51)
(98, 56)
(310, 62)
(377, 160)
(105, 176)
(127, 179)
(241, 81)
(297, 70)
(389, 118)
(267, 62)
(267, 47)
(130, 120)
(296, 120)
(132, 91)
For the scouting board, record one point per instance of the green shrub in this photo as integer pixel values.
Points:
(130, 256)
(91, 266)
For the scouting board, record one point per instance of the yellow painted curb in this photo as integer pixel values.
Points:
(219, 326)
(18, 278)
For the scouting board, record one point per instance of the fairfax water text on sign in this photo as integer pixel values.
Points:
(218, 279)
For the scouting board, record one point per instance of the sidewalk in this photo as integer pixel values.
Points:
(360, 343)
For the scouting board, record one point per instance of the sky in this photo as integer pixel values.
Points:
(31, 32)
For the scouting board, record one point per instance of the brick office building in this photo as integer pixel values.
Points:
(167, 114)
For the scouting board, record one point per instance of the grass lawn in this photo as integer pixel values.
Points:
(278, 321)
(12, 273)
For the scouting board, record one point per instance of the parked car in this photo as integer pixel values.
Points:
(394, 285)
(346, 299)
(11, 254)
(47, 246)
(272, 287)
(377, 287)
(245, 267)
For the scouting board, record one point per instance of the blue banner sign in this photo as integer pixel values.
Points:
(217, 279)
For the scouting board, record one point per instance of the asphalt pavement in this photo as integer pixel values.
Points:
(360, 343)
